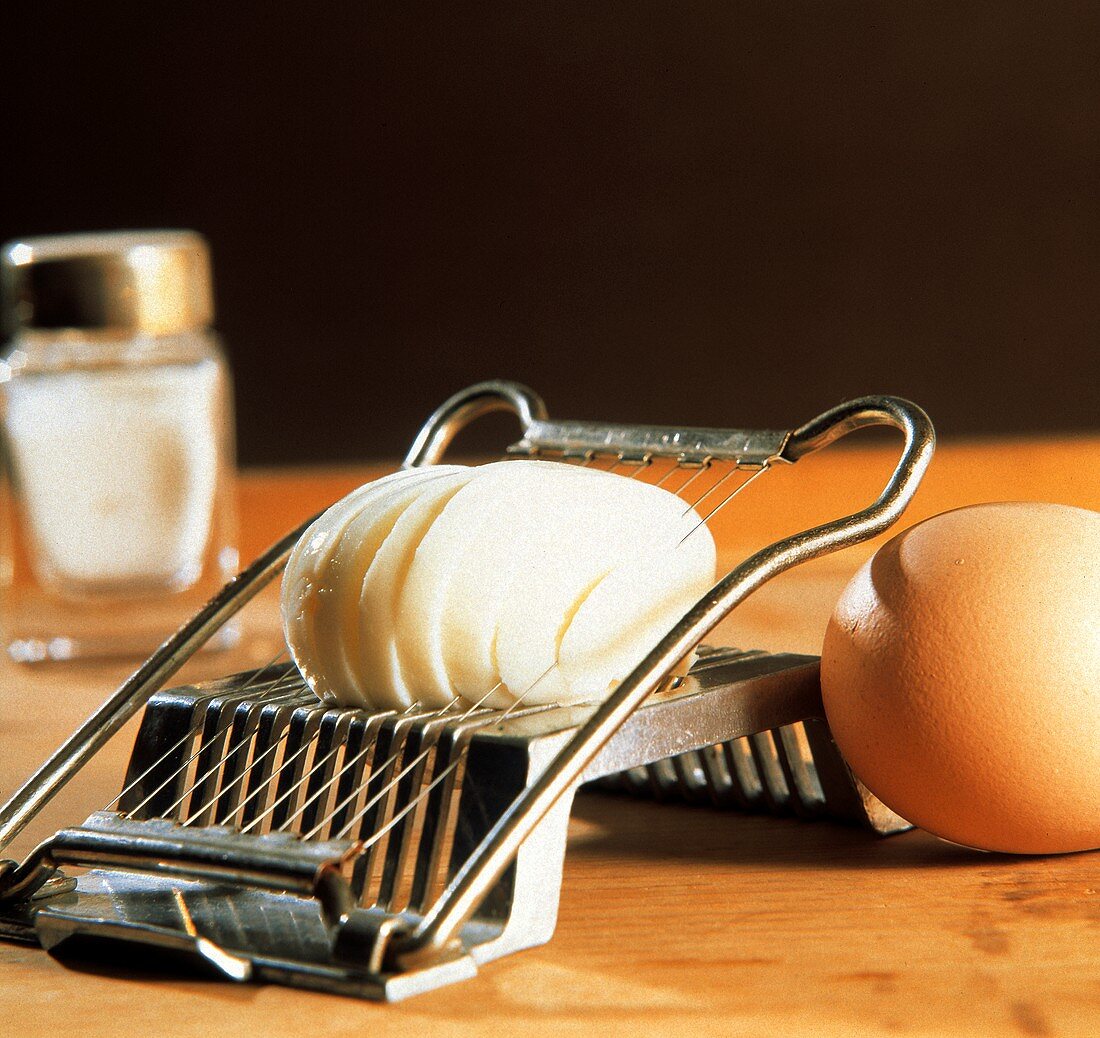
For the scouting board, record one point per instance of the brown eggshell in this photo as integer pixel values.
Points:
(961, 676)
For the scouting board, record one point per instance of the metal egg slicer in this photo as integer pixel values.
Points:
(263, 835)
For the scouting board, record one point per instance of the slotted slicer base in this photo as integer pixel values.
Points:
(205, 856)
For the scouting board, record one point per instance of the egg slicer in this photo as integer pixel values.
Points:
(263, 835)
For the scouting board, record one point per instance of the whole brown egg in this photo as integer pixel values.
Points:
(961, 676)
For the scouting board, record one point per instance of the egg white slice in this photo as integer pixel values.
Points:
(377, 667)
(631, 609)
(594, 529)
(337, 623)
(307, 566)
(448, 608)
(476, 598)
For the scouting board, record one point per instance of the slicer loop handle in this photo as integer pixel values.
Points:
(431, 938)
(861, 413)
(462, 408)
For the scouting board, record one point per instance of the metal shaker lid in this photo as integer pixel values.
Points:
(123, 282)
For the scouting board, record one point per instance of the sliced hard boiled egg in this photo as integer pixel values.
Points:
(526, 581)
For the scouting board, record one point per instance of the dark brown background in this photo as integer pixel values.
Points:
(716, 213)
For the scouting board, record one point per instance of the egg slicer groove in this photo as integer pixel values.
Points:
(261, 834)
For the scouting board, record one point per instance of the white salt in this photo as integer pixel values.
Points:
(117, 470)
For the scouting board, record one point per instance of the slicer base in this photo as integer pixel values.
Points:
(226, 932)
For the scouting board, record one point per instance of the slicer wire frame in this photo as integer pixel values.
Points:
(398, 945)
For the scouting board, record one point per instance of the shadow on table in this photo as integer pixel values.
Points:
(121, 961)
(606, 825)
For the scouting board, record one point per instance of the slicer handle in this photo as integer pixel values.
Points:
(430, 938)
(458, 411)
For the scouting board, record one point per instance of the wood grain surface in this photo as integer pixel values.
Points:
(674, 920)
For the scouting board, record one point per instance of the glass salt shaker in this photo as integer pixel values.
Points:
(118, 517)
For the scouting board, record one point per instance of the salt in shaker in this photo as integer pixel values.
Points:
(118, 518)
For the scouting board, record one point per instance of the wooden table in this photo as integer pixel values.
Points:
(673, 920)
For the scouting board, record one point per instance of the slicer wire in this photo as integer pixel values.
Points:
(507, 712)
(284, 689)
(412, 710)
(249, 683)
(317, 765)
(284, 683)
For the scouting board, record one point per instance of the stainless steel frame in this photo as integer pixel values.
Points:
(389, 954)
